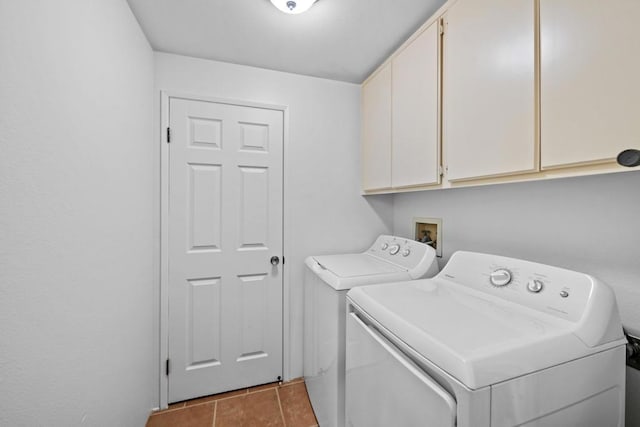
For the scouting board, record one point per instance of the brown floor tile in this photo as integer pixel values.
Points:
(172, 407)
(177, 405)
(259, 409)
(216, 397)
(294, 381)
(296, 407)
(196, 416)
(263, 387)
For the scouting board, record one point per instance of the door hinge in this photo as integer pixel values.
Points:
(441, 25)
(168, 135)
(167, 368)
(282, 259)
(440, 170)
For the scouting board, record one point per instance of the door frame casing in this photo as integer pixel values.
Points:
(165, 98)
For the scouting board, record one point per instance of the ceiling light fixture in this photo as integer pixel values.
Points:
(293, 7)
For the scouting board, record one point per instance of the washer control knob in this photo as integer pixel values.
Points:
(500, 277)
(394, 249)
(406, 252)
(384, 246)
(535, 286)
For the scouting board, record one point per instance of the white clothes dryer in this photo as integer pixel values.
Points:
(327, 280)
(489, 342)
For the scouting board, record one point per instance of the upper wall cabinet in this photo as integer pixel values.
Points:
(376, 131)
(415, 112)
(400, 114)
(590, 84)
(529, 89)
(489, 92)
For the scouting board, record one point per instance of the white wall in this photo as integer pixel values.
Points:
(76, 242)
(323, 209)
(589, 224)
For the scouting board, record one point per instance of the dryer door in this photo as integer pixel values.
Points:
(384, 388)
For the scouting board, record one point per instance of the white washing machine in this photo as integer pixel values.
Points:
(327, 280)
(490, 341)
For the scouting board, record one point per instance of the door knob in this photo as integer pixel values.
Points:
(275, 260)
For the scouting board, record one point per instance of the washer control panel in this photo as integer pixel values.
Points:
(407, 253)
(562, 293)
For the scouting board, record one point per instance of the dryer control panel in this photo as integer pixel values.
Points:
(564, 294)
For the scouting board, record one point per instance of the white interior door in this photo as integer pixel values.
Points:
(225, 224)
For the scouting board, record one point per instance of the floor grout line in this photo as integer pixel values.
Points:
(284, 422)
(259, 391)
(263, 389)
(288, 384)
(215, 412)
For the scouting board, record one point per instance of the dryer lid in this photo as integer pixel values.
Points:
(477, 341)
(356, 265)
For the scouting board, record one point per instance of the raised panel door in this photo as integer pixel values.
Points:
(225, 223)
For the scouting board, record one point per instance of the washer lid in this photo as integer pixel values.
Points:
(355, 265)
(475, 337)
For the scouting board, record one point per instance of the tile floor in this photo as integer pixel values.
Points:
(269, 405)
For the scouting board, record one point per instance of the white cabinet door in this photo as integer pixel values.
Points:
(489, 88)
(415, 122)
(225, 223)
(590, 80)
(376, 131)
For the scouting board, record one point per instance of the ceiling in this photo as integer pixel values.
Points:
(336, 39)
